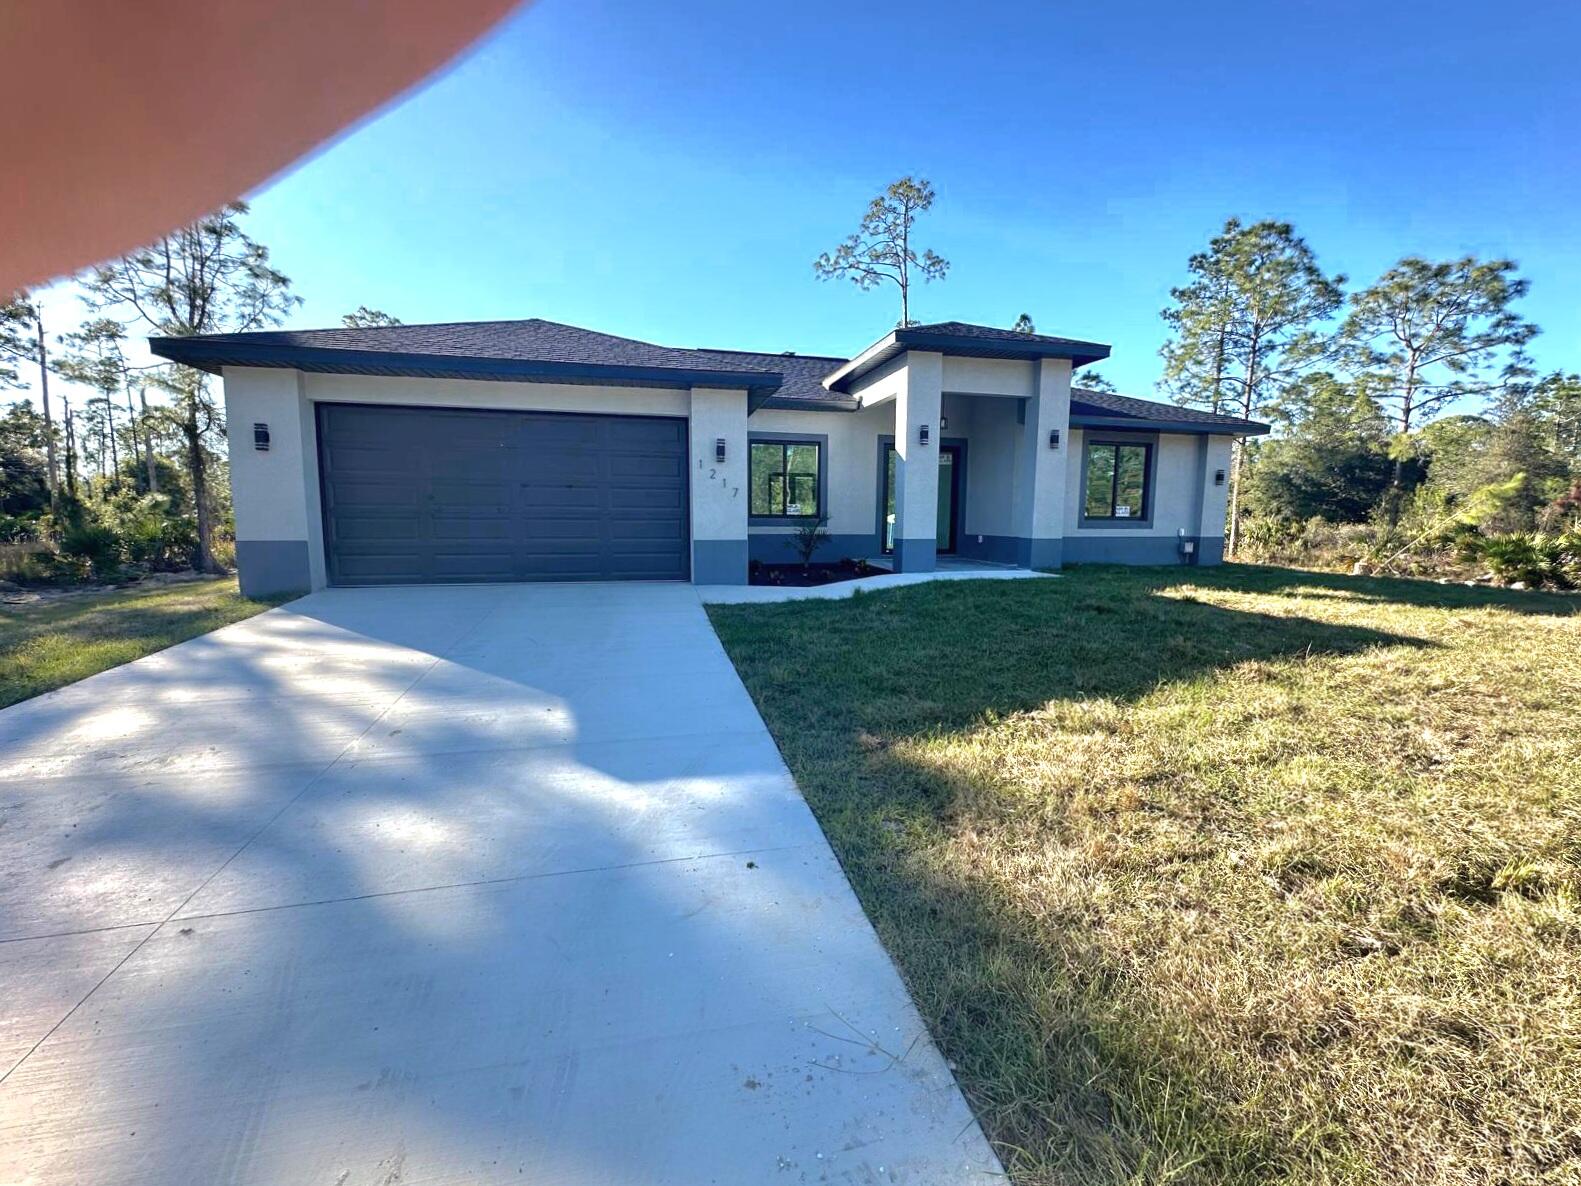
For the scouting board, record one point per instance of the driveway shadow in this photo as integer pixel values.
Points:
(382, 886)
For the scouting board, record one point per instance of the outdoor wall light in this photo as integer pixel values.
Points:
(1218, 477)
(922, 435)
(1053, 438)
(944, 424)
(719, 450)
(261, 437)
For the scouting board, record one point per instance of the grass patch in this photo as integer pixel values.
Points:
(46, 645)
(1235, 875)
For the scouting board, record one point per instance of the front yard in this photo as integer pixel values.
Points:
(48, 644)
(1230, 875)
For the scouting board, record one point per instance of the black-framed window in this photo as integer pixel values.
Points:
(783, 480)
(1117, 480)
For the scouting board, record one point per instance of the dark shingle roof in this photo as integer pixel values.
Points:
(533, 350)
(989, 333)
(533, 340)
(1108, 407)
(550, 350)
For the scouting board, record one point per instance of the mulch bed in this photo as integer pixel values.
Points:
(800, 576)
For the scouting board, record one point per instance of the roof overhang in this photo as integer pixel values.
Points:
(1230, 428)
(208, 354)
(898, 341)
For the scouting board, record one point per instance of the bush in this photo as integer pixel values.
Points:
(95, 547)
(149, 534)
(1533, 558)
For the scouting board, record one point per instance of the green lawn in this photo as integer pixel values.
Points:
(48, 644)
(1235, 875)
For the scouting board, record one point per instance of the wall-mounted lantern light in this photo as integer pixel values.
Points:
(1218, 477)
(1053, 438)
(922, 435)
(944, 424)
(719, 450)
(261, 437)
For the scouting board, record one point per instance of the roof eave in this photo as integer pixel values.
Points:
(1237, 428)
(898, 341)
(212, 356)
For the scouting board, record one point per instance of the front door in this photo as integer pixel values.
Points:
(949, 497)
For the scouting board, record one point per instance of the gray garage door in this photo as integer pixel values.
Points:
(440, 494)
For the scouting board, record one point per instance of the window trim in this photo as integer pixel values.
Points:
(1148, 440)
(821, 440)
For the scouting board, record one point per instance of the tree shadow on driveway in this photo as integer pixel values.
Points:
(394, 884)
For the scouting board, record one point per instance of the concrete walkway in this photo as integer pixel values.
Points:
(467, 885)
(761, 594)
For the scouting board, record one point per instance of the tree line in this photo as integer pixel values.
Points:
(1411, 429)
(135, 474)
(1410, 423)
(1409, 407)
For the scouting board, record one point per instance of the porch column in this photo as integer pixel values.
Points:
(1039, 496)
(917, 464)
(718, 489)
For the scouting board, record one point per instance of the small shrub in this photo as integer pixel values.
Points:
(1532, 558)
(809, 536)
(96, 547)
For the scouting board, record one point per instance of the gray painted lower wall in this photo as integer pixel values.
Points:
(270, 567)
(778, 547)
(1210, 550)
(1109, 549)
(719, 562)
(916, 555)
(1040, 553)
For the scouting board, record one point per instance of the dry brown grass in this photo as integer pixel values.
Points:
(1240, 876)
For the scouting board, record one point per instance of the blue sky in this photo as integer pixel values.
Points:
(669, 172)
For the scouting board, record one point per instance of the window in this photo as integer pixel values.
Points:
(1117, 481)
(784, 479)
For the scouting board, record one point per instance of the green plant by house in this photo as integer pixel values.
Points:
(809, 536)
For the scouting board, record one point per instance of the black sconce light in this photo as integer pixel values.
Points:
(944, 424)
(922, 435)
(1053, 438)
(719, 450)
(261, 437)
(1218, 477)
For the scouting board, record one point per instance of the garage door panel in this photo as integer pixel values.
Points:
(456, 529)
(470, 498)
(422, 494)
(381, 532)
(474, 566)
(381, 567)
(655, 532)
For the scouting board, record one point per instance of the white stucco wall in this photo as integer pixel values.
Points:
(718, 490)
(1215, 497)
(990, 376)
(475, 393)
(1176, 504)
(851, 460)
(992, 463)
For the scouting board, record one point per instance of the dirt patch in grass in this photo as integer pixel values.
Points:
(1234, 875)
(47, 644)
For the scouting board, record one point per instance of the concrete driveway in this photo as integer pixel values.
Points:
(466, 885)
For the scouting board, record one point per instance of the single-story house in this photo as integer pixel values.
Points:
(531, 450)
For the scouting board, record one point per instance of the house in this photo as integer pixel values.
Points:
(530, 450)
